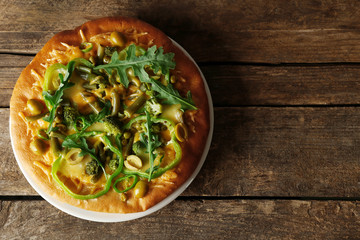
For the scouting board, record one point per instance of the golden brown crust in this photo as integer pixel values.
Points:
(161, 187)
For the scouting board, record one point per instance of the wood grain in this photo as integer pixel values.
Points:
(239, 85)
(282, 131)
(204, 219)
(283, 152)
(246, 31)
(12, 182)
(259, 151)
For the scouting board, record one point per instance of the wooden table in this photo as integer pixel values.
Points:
(285, 157)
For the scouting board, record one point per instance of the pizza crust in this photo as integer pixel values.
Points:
(159, 188)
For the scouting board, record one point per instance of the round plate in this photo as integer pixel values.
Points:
(121, 217)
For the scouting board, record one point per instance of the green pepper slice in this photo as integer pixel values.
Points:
(57, 163)
(51, 78)
(136, 179)
(86, 47)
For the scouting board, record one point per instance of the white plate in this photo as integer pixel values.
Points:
(121, 217)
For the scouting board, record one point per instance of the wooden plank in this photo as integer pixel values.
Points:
(283, 152)
(259, 151)
(247, 31)
(237, 85)
(283, 85)
(200, 219)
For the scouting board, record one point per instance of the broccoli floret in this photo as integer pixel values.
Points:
(92, 167)
(70, 115)
(138, 148)
(113, 164)
(153, 107)
(112, 125)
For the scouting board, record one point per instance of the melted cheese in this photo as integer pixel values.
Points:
(73, 93)
(64, 56)
(76, 170)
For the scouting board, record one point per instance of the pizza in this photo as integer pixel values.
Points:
(112, 116)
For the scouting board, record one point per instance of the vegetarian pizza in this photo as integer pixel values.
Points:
(111, 116)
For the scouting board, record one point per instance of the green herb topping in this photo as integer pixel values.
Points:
(114, 131)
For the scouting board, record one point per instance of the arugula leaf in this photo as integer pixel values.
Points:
(157, 167)
(54, 101)
(90, 119)
(71, 143)
(171, 96)
(155, 141)
(158, 61)
(74, 137)
(151, 142)
(153, 57)
(78, 140)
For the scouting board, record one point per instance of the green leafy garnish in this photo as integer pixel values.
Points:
(170, 95)
(157, 61)
(71, 143)
(86, 47)
(154, 58)
(151, 142)
(155, 90)
(87, 121)
(53, 101)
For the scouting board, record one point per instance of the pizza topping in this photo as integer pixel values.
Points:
(41, 133)
(135, 106)
(118, 104)
(118, 39)
(153, 107)
(35, 106)
(140, 189)
(51, 79)
(86, 47)
(133, 162)
(92, 168)
(38, 146)
(112, 125)
(127, 182)
(69, 115)
(170, 95)
(35, 117)
(153, 58)
(55, 146)
(73, 156)
(115, 102)
(181, 132)
(92, 101)
(53, 101)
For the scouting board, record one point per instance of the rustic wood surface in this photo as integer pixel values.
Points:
(285, 157)
(194, 219)
(245, 31)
